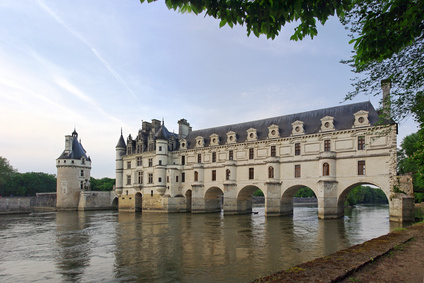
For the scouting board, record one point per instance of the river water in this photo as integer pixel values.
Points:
(107, 246)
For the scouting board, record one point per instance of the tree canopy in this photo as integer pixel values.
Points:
(265, 16)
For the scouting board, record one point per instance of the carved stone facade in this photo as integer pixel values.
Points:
(329, 150)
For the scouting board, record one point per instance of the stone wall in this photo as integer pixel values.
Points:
(9, 205)
(45, 201)
(95, 200)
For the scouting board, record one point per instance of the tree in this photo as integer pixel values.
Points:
(266, 16)
(389, 43)
(104, 184)
(410, 160)
(6, 173)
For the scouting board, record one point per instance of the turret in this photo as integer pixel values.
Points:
(120, 152)
(73, 173)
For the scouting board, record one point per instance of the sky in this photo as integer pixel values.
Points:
(102, 65)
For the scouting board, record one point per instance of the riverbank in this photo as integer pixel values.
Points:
(371, 261)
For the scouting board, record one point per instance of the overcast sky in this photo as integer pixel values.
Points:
(100, 65)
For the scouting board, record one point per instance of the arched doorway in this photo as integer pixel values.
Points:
(138, 202)
(188, 200)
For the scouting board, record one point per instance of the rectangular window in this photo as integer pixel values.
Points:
(183, 160)
(150, 162)
(139, 161)
(167, 179)
(199, 158)
(230, 155)
(251, 153)
(82, 173)
(160, 148)
(182, 177)
(361, 167)
(361, 143)
(128, 179)
(176, 179)
(273, 151)
(213, 156)
(160, 162)
(150, 178)
(128, 164)
(140, 177)
(151, 193)
(297, 171)
(327, 146)
(297, 149)
(160, 180)
(82, 185)
(129, 150)
(251, 173)
(213, 175)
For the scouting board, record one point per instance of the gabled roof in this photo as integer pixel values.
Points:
(343, 119)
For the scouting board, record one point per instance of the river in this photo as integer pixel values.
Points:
(107, 246)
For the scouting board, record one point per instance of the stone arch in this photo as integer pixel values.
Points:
(244, 198)
(213, 199)
(286, 202)
(343, 194)
(138, 202)
(115, 203)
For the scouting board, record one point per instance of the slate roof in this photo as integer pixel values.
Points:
(164, 134)
(121, 142)
(77, 151)
(343, 119)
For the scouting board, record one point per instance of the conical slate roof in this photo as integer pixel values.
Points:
(121, 142)
(77, 151)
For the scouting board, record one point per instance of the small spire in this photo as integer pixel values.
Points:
(121, 131)
(163, 121)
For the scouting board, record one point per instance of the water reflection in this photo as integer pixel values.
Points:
(128, 247)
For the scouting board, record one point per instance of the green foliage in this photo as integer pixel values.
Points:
(365, 195)
(258, 193)
(305, 192)
(6, 172)
(411, 160)
(389, 43)
(266, 16)
(28, 184)
(103, 184)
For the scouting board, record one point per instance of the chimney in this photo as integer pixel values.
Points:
(68, 143)
(385, 86)
(184, 128)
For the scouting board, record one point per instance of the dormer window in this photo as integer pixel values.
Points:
(273, 132)
(214, 139)
(200, 142)
(252, 134)
(183, 143)
(297, 128)
(361, 119)
(231, 137)
(327, 124)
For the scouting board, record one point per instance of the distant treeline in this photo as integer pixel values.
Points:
(358, 195)
(28, 184)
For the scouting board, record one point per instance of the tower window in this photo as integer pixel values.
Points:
(251, 173)
(196, 176)
(213, 175)
(183, 160)
(325, 169)
(199, 158)
(82, 173)
(213, 156)
(227, 174)
(361, 143)
(297, 171)
(270, 172)
(327, 145)
(297, 149)
(273, 151)
(230, 155)
(361, 167)
(182, 177)
(129, 165)
(251, 153)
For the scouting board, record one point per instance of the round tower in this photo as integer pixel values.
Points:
(161, 158)
(120, 152)
(73, 173)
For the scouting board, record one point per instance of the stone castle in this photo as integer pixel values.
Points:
(329, 150)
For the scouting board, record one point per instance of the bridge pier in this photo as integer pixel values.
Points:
(328, 200)
(273, 203)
